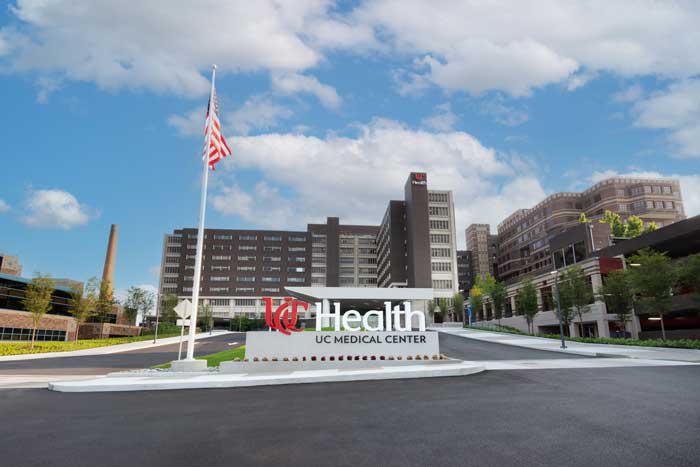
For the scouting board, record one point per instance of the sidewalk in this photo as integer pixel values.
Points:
(110, 349)
(578, 348)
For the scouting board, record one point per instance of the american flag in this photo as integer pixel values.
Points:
(213, 138)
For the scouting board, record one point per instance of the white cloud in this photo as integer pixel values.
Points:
(167, 46)
(630, 94)
(189, 124)
(690, 185)
(54, 209)
(307, 178)
(257, 113)
(293, 83)
(518, 46)
(677, 110)
(504, 114)
(4, 206)
(443, 119)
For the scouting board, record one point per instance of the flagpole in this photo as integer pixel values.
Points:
(200, 231)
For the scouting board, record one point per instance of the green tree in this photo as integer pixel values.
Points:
(206, 317)
(689, 274)
(105, 301)
(443, 308)
(576, 292)
(83, 302)
(431, 309)
(496, 291)
(618, 296)
(37, 300)
(565, 308)
(476, 299)
(138, 300)
(635, 227)
(617, 227)
(458, 306)
(527, 302)
(652, 279)
(583, 219)
(168, 314)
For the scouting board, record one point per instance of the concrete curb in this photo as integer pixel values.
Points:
(110, 349)
(202, 380)
(613, 353)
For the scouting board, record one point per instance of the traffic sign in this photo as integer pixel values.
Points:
(184, 309)
(183, 322)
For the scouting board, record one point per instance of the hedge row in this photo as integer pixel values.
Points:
(23, 347)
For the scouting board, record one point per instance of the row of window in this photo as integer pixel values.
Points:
(25, 334)
(439, 224)
(291, 259)
(441, 211)
(439, 238)
(442, 284)
(267, 238)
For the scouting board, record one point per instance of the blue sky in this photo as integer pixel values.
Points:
(327, 107)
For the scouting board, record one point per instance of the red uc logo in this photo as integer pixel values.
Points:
(284, 318)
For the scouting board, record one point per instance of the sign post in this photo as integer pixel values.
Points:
(183, 310)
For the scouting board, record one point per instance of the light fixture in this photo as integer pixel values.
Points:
(634, 265)
(654, 318)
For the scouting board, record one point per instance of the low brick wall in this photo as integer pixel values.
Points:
(23, 320)
(105, 330)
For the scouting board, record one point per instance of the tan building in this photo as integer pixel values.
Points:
(523, 246)
(10, 265)
(481, 244)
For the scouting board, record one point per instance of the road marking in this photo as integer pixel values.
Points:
(232, 343)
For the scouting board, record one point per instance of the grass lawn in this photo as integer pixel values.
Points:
(216, 358)
(22, 347)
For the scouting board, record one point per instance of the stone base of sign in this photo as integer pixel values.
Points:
(188, 365)
(277, 367)
(341, 346)
(165, 380)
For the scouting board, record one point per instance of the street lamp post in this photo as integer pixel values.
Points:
(561, 323)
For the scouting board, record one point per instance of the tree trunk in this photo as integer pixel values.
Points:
(77, 330)
(580, 325)
(33, 337)
(663, 329)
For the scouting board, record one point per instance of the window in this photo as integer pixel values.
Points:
(441, 266)
(212, 289)
(245, 268)
(245, 279)
(667, 205)
(319, 251)
(295, 279)
(440, 252)
(347, 271)
(244, 301)
(439, 225)
(219, 278)
(296, 249)
(367, 271)
(367, 251)
(347, 251)
(667, 189)
(367, 280)
(272, 238)
(272, 249)
(297, 239)
(442, 284)
(318, 270)
(346, 260)
(622, 207)
(247, 247)
(25, 334)
(271, 269)
(217, 247)
(438, 211)
(272, 258)
(270, 289)
(170, 280)
(222, 237)
(219, 302)
(367, 260)
(172, 269)
(247, 237)
(637, 190)
(219, 268)
(437, 197)
(347, 281)
(245, 290)
(296, 259)
(270, 279)
(296, 269)
(439, 238)
(247, 258)
(220, 258)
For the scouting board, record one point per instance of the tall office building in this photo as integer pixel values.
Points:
(413, 247)
(482, 246)
(523, 237)
(465, 272)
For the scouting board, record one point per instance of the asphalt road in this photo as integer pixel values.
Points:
(103, 364)
(624, 417)
(472, 349)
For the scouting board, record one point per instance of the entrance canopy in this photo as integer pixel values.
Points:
(359, 298)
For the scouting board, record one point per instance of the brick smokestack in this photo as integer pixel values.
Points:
(108, 272)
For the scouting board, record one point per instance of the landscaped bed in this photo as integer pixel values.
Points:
(215, 359)
(673, 344)
(23, 347)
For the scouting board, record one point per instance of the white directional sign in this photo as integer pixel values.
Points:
(183, 322)
(184, 309)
